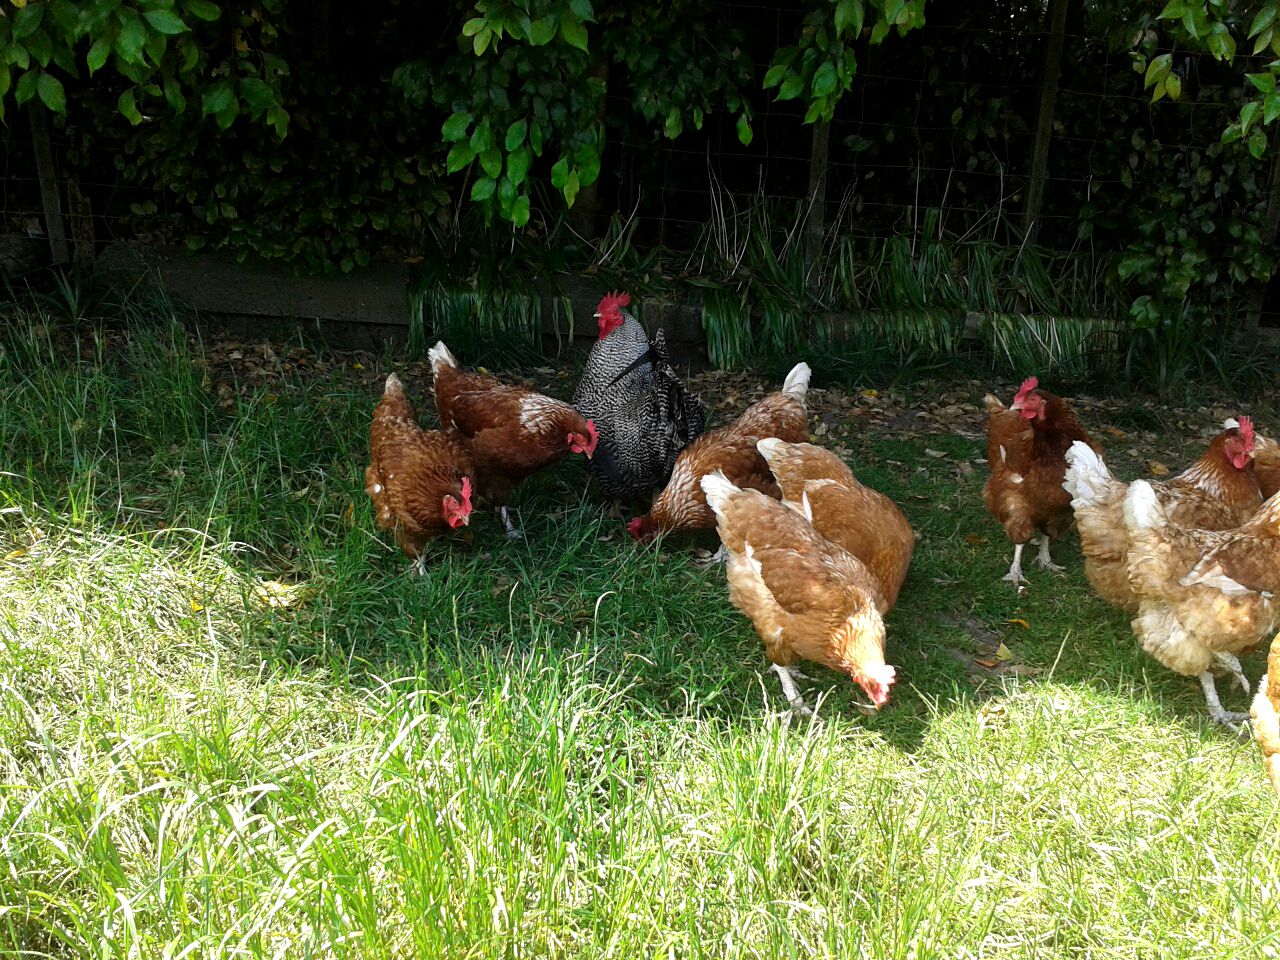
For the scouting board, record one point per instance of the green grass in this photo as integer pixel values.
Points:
(562, 747)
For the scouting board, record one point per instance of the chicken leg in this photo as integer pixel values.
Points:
(1215, 705)
(1232, 664)
(789, 689)
(512, 532)
(720, 556)
(1043, 558)
(1014, 575)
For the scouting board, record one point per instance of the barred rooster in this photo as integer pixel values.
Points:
(645, 415)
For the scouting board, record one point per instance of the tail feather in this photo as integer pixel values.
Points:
(797, 382)
(440, 356)
(395, 401)
(718, 489)
(1142, 510)
(770, 448)
(1087, 479)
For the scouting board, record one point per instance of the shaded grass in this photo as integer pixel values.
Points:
(559, 747)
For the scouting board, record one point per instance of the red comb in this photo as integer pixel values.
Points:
(1246, 432)
(613, 301)
(1028, 385)
(466, 492)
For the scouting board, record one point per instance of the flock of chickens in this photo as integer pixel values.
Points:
(814, 558)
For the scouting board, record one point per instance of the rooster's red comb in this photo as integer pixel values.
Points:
(1028, 385)
(1246, 432)
(613, 301)
(466, 492)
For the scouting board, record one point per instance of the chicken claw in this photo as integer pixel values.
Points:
(419, 566)
(512, 532)
(1044, 560)
(792, 693)
(1225, 717)
(1014, 575)
(720, 556)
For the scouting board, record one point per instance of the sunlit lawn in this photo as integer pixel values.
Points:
(231, 725)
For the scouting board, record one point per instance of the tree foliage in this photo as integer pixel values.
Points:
(1230, 32)
(527, 80)
(166, 53)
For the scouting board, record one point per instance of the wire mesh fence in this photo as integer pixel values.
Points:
(933, 143)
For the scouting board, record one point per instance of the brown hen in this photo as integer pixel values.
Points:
(1266, 714)
(682, 506)
(510, 432)
(808, 598)
(821, 487)
(1218, 492)
(419, 480)
(1026, 444)
(1204, 596)
(1266, 466)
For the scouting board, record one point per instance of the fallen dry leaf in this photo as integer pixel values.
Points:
(279, 595)
(991, 715)
(1020, 622)
(1157, 468)
(1004, 653)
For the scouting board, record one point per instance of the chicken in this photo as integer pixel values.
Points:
(808, 598)
(1266, 714)
(643, 412)
(821, 487)
(1266, 465)
(510, 432)
(419, 480)
(1204, 596)
(1218, 492)
(681, 506)
(1025, 448)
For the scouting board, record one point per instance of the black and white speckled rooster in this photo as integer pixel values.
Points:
(645, 415)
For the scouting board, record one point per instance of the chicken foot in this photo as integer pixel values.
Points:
(1215, 705)
(789, 689)
(1014, 575)
(512, 532)
(1043, 558)
(419, 566)
(720, 556)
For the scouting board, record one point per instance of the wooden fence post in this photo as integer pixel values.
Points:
(47, 173)
(1253, 310)
(816, 228)
(1044, 115)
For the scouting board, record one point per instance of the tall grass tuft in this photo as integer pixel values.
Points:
(905, 300)
(231, 726)
(491, 297)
